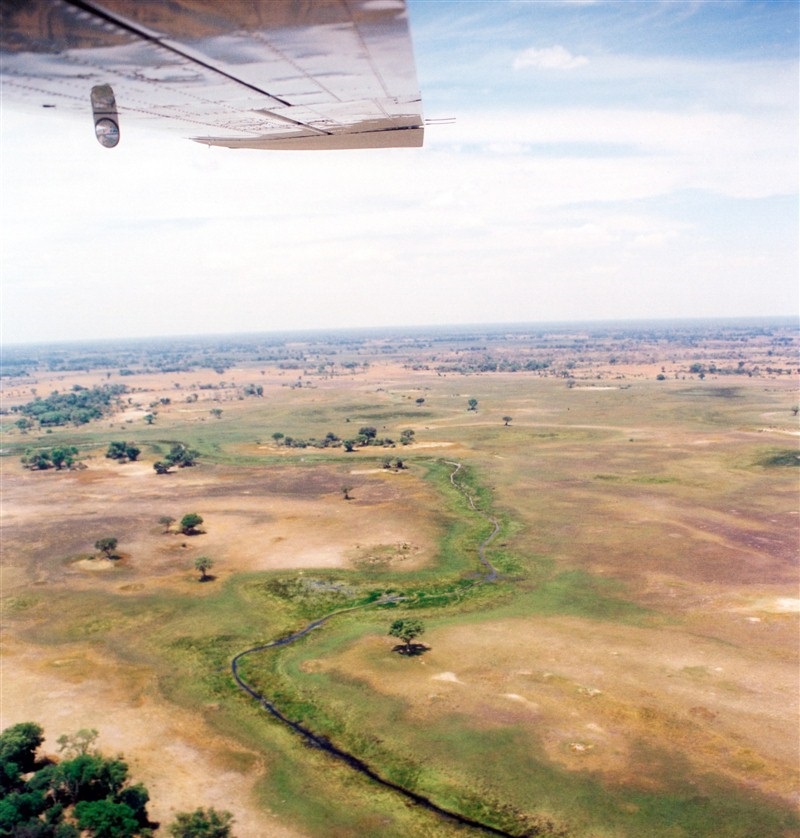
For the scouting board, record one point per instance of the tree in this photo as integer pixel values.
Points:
(346, 492)
(18, 744)
(182, 456)
(122, 451)
(107, 546)
(216, 412)
(406, 437)
(79, 743)
(202, 823)
(506, 420)
(63, 456)
(349, 445)
(162, 466)
(472, 404)
(203, 564)
(166, 521)
(84, 795)
(277, 436)
(37, 460)
(88, 777)
(420, 401)
(19, 814)
(190, 522)
(406, 629)
(149, 418)
(107, 819)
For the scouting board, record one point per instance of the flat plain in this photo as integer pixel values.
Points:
(633, 670)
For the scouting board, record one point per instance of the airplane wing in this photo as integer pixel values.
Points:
(266, 74)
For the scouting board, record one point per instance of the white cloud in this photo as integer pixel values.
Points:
(549, 58)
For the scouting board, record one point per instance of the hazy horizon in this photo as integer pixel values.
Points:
(431, 329)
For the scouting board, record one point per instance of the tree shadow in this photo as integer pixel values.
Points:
(411, 650)
(209, 577)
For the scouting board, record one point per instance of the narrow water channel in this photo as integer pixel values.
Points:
(317, 741)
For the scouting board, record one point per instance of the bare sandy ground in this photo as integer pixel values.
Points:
(253, 520)
(174, 753)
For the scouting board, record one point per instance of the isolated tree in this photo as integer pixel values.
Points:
(349, 445)
(149, 418)
(346, 492)
(216, 412)
(406, 629)
(166, 521)
(203, 564)
(162, 466)
(420, 401)
(472, 404)
(190, 522)
(202, 823)
(406, 436)
(506, 420)
(77, 744)
(277, 436)
(106, 546)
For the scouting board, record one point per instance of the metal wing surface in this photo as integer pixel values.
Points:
(282, 74)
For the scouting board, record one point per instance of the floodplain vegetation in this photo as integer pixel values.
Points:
(596, 529)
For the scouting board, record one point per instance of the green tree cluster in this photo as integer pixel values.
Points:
(180, 455)
(43, 458)
(85, 795)
(122, 451)
(328, 441)
(78, 406)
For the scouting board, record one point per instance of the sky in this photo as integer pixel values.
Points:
(608, 160)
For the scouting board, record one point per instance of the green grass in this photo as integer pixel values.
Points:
(781, 459)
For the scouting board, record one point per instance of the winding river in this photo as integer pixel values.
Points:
(317, 741)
